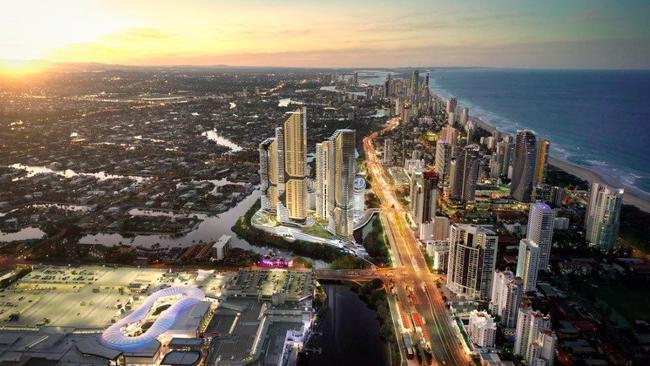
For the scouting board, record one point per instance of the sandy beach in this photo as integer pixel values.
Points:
(632, 195)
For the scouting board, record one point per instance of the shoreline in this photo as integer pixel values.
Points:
(632, 196)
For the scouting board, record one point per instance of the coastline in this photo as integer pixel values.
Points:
(632, 196)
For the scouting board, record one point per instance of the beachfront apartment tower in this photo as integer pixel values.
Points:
(452, 103)
(541, 220)
(541, 162)
(523, 167)
(472, 257)
(603, 216)
(527, 263)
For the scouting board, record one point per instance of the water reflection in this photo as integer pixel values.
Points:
(214, 136)
(28, 233)
(69, 173)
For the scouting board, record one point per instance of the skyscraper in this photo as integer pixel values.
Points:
(424, 197)
(342, 174)
(540, 230)
(449, 135)
(507, 292)
(322, 187)
(462, 184)
(464, 116)
(603, 216)
(269, 171)
(503, 157)
(451, 105)
(442, 160)
(523, 173)
(541, 160)
(415, 86)
(527, 264)
(472, 256)
(534, 340)
(295, 164)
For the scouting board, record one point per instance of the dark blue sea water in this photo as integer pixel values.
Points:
(599, 119)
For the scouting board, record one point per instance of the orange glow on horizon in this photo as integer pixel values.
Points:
(22, 69)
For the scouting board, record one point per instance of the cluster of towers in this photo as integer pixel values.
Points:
(284, 177)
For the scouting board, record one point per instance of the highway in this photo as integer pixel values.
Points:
(415, 284)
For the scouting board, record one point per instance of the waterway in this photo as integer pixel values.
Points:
(220, 140)
(69, 173)
(210, 228)
(28, 233)
(350, 332)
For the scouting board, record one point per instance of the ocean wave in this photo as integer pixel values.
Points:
(598, 163)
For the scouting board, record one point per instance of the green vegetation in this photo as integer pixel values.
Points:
(630, 301)
(376, 243)
(373, 294)
(372, 201)
(254, 236)
(319, 231)
(347, 262)
(428, 259)
(560, 178)
(635, 228)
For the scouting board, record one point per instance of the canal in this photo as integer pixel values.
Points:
(347, 333)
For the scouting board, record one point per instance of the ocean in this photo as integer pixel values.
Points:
(593, 118)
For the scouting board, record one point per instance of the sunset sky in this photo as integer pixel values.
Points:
(536, 34)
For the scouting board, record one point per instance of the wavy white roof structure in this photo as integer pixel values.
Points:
(114, 336)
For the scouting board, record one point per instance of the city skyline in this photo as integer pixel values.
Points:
(418, 34)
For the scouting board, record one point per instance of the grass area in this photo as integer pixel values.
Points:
(319, 231)
(631, 302)
(245, 230)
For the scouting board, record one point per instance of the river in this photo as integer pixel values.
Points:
(219, 140)
(350, 332)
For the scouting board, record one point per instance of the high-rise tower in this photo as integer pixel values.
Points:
(295, 164)
(462, 184)
(472, 257)
(342, 174)
(603, 216)
(527, 263)
(541, 160)
(541, 219)
(523, 173)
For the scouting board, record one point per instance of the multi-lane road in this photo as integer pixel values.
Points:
(415, 285)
